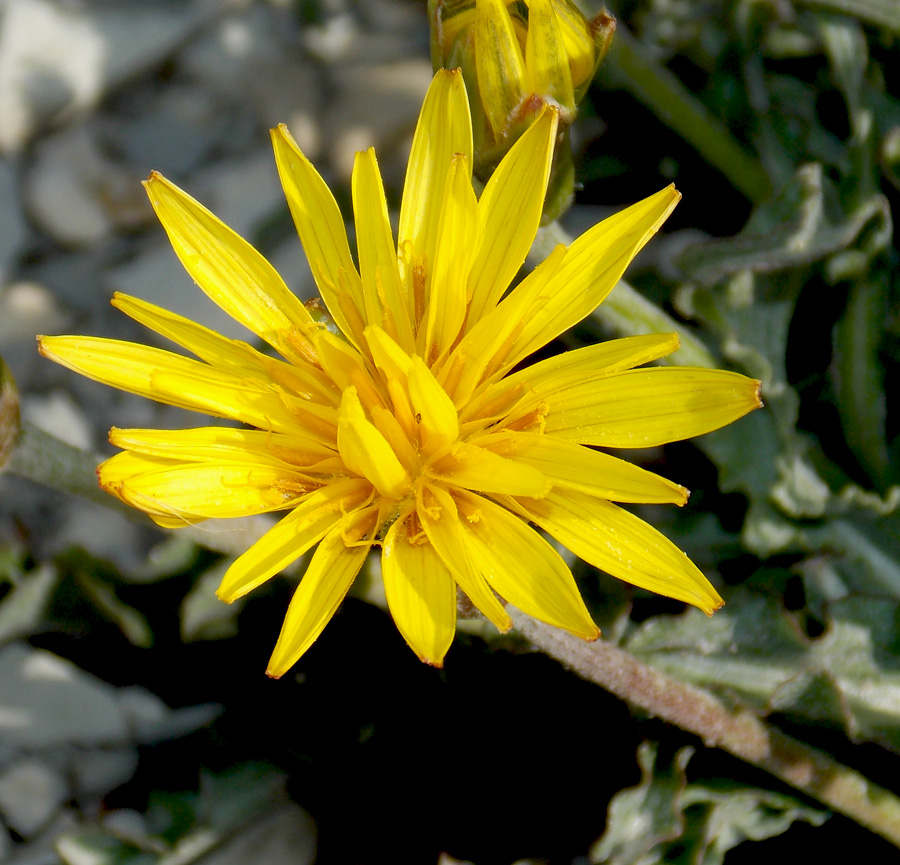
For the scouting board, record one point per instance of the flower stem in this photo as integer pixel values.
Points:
(634, 68)
(628, 312)
(737, 731)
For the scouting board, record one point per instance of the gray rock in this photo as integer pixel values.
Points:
(13, 233)
(58, 59)
(52, 62)
(59, 414)
(30, 794)
(75, 193)
(97, 771)
(48, 702)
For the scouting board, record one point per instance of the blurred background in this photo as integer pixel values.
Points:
(136, 722)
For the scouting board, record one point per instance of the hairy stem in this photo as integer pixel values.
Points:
(737, 731)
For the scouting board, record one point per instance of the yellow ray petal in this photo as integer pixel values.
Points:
(384, 296)
(645, 407)
(366, 451)
(546, 63)
(230, 270)
(301, 376)
(172, 379)
(621, 544)
(478, 469)
(202, 489)
(457, 237)
(509, 212)
(346, 366)
(305, 525)
(437, 513)
(435, 413)
(444, 128)
(572, 466)
(522, 567)
(388, 355)
(213, 444)
(328, 578)
(321, 228)
(421, 594)
(592, 266)
(548, 376)
(498, 59)
(484, 347)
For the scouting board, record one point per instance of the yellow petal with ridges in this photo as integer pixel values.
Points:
(234, 275)
(421, 594)
(475, 358)
(547, 70)
(321, 228)
(171, 379)
(621, 544)
(202, 489)
(533, 384)
(384, 295)
(435, 412)
(438, 515)
(444, 128)
(302, 377)
(646, 407)
(309, 521)
(325, 584)
(509, 213)
(388, 355)
(593, 265)
(522, 567)
(499, 62)
(573, 466)
(366, 451)
(214, 444)
(475, 468)
(457, 238)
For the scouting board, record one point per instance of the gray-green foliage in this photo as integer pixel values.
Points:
(826, 496)
(666, 819)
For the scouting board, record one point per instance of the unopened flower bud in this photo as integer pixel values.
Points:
(516, 57)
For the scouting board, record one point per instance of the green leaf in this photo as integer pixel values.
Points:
(859, 378)
(23, 608)
(666, 820)
(802, 224)
(642, 819)
(132, 624)
(883, 13)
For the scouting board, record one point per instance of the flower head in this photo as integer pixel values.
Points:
(415, 427)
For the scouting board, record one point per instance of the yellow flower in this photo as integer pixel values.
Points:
(517, 57)
(415, 427)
